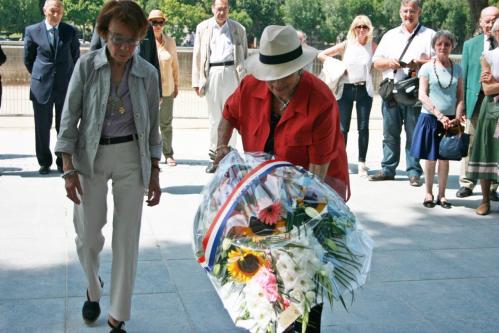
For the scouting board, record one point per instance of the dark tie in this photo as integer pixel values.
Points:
(492, 43)
(53, 34)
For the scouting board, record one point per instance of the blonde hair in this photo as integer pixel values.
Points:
(360, 20)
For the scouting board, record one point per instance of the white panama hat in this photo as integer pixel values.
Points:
(281, 54)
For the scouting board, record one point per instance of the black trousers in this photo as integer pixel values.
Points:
(43, 124)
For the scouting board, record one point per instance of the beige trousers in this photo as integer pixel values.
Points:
(119, 163)
(165, 124)
(222, 82)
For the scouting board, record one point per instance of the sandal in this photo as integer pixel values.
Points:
(429, 203)
(118, 328)
(444, 203)
(91, 310)
(170, 161)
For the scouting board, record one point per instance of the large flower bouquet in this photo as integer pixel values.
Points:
(276, 241)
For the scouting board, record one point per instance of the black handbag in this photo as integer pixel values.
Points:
(405, 92)
(388, 89)
(454, 146)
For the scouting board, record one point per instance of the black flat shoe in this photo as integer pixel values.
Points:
(91, 310)
(429, 203)
(445, 204)
(463, 192)
(118, 328)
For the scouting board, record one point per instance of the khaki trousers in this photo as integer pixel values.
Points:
(119, 163)
(165, 124)
(222, 82)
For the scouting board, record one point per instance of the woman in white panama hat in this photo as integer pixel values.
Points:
(285, 111)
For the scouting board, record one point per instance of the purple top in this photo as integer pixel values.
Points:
(118, 120)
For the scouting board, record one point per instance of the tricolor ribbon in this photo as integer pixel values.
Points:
(212, 239)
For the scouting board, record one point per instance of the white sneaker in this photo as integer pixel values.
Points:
(363, 169)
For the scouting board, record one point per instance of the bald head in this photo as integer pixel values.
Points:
(488, 16)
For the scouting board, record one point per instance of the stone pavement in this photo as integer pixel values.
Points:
(433, 270)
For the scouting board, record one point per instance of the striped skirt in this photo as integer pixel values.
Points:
(484, 158)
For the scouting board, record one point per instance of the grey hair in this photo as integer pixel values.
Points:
(446, 34)
(59, 3)
(418, 3)
(495, 27)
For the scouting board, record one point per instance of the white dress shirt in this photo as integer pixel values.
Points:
(393, 43)
(221, 47)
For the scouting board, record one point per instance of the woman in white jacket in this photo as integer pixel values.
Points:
(356, 85)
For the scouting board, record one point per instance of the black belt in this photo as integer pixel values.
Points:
(117, 139)
(225, 63)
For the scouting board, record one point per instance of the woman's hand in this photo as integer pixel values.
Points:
(73, 188)
(71, 180)
(154, 192)
(446, 122)
(220, 154)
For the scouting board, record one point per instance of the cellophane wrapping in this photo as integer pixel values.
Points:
(276, 241)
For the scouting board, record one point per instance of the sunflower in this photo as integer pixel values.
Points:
(243, 264)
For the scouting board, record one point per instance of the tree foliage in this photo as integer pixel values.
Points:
(324, 21)
(17, 15)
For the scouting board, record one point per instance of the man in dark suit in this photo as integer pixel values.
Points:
(51, 49)
(473, 92)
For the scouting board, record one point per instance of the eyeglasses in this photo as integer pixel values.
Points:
(120, 40)
(362, 27)
(158, 23)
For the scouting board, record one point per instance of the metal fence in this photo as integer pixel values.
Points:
(15, 79)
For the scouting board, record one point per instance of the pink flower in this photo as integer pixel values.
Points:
(268, 282)
(270, 214)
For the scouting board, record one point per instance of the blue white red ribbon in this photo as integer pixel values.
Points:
(213, 236)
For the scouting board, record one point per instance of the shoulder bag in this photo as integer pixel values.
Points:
(387, 87)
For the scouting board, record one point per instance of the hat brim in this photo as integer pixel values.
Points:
(264, 72)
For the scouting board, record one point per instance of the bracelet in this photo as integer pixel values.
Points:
(69, 173)
(154, 166)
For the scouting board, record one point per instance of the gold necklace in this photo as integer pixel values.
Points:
(116, 102)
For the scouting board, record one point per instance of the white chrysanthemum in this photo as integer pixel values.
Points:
(310, 296)
(303, 283)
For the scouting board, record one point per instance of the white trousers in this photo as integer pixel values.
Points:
(222, 82)
(119, 163)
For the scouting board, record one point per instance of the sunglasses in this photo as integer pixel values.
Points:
(120, 40)
(158, 23)
(362, 27)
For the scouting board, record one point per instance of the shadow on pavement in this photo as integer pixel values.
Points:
(187, 189)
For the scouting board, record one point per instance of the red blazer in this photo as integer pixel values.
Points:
(308, 131)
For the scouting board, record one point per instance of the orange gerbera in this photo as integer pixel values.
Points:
(243, 264)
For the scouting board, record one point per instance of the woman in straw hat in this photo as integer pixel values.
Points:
(285, 111)
(282, 110)
(168, 65)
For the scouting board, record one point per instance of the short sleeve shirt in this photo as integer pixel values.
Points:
(445, 98)
(393, 43)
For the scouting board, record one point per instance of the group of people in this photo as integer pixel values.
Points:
(115, 104)
(449, 95)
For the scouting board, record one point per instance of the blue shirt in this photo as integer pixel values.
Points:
(445, 99)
